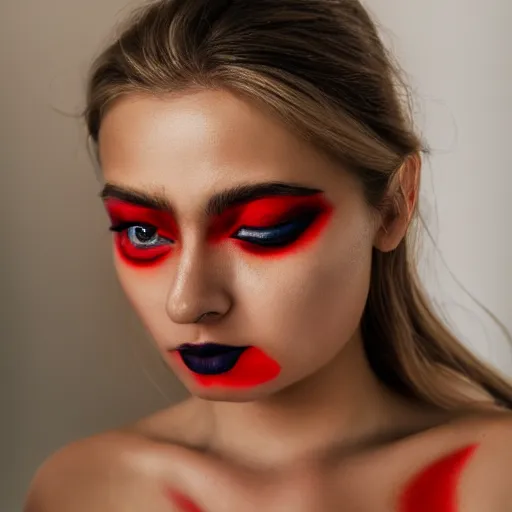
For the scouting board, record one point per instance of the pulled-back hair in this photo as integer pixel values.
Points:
(320, 67)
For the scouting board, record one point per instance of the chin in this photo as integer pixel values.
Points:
(218, 394)
(226, 396)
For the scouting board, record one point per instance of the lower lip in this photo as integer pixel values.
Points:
(253, 368)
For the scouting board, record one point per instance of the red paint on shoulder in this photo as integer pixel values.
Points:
(183, 503)
(435, 488)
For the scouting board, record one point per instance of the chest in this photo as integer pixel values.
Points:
(378, 485)
(388, 485)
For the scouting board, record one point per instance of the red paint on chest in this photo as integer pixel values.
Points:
(435, 488)
(182, 502)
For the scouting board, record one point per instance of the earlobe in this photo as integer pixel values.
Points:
(398, 208)
(390, 234)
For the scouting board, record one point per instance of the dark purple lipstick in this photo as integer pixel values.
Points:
(210, 358)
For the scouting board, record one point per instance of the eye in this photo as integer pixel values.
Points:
(279, 235)
(140, 236)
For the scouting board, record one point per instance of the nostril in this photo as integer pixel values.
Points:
(210, 314)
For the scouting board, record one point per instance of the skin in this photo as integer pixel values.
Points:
(190, 147)
(443, 476)
(320, 431)
(136, 469)
(433, 488)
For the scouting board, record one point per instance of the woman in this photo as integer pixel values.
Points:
(261, 176)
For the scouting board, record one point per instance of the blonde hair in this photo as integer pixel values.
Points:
(319, 66)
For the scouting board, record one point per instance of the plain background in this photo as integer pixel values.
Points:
(74, 359)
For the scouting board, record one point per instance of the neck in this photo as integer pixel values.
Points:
(339, 407)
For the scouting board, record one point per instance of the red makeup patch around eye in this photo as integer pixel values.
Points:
(122, 212)
(267, 212)
(435, 488)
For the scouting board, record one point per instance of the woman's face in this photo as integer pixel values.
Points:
(217, 208)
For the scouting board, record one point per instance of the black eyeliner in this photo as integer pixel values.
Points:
(126, 225)
(290, 231)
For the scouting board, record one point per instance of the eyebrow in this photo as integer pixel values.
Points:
(217, 204)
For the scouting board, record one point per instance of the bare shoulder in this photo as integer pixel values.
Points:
(470, 460)
(487, 482)
(459, 465)
(110, 472)
(134, 469)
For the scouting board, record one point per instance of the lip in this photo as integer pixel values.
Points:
(210, 358)
(215, 364)
(203, 348)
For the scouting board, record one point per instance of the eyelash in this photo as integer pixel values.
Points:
(126, 226)
(287, 232)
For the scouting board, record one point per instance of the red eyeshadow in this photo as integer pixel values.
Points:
(123, 212)
(435, 488)
(267, 212)
(260, 213)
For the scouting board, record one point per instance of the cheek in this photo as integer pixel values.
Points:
(146, 295)
(335, 292)
(139, 296)
(318, 299)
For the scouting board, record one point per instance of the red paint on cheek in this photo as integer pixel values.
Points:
(268, 212)
(121, 212)
(182, 502)
(252, 369)
(435, 488)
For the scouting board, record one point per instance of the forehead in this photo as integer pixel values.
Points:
(195, 144)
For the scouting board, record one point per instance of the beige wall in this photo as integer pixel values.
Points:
(68, 365)
(458, 57)
(72, 353)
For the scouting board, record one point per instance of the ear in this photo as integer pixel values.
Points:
(399, 205)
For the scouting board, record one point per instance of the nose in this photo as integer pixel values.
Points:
(197, 291)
